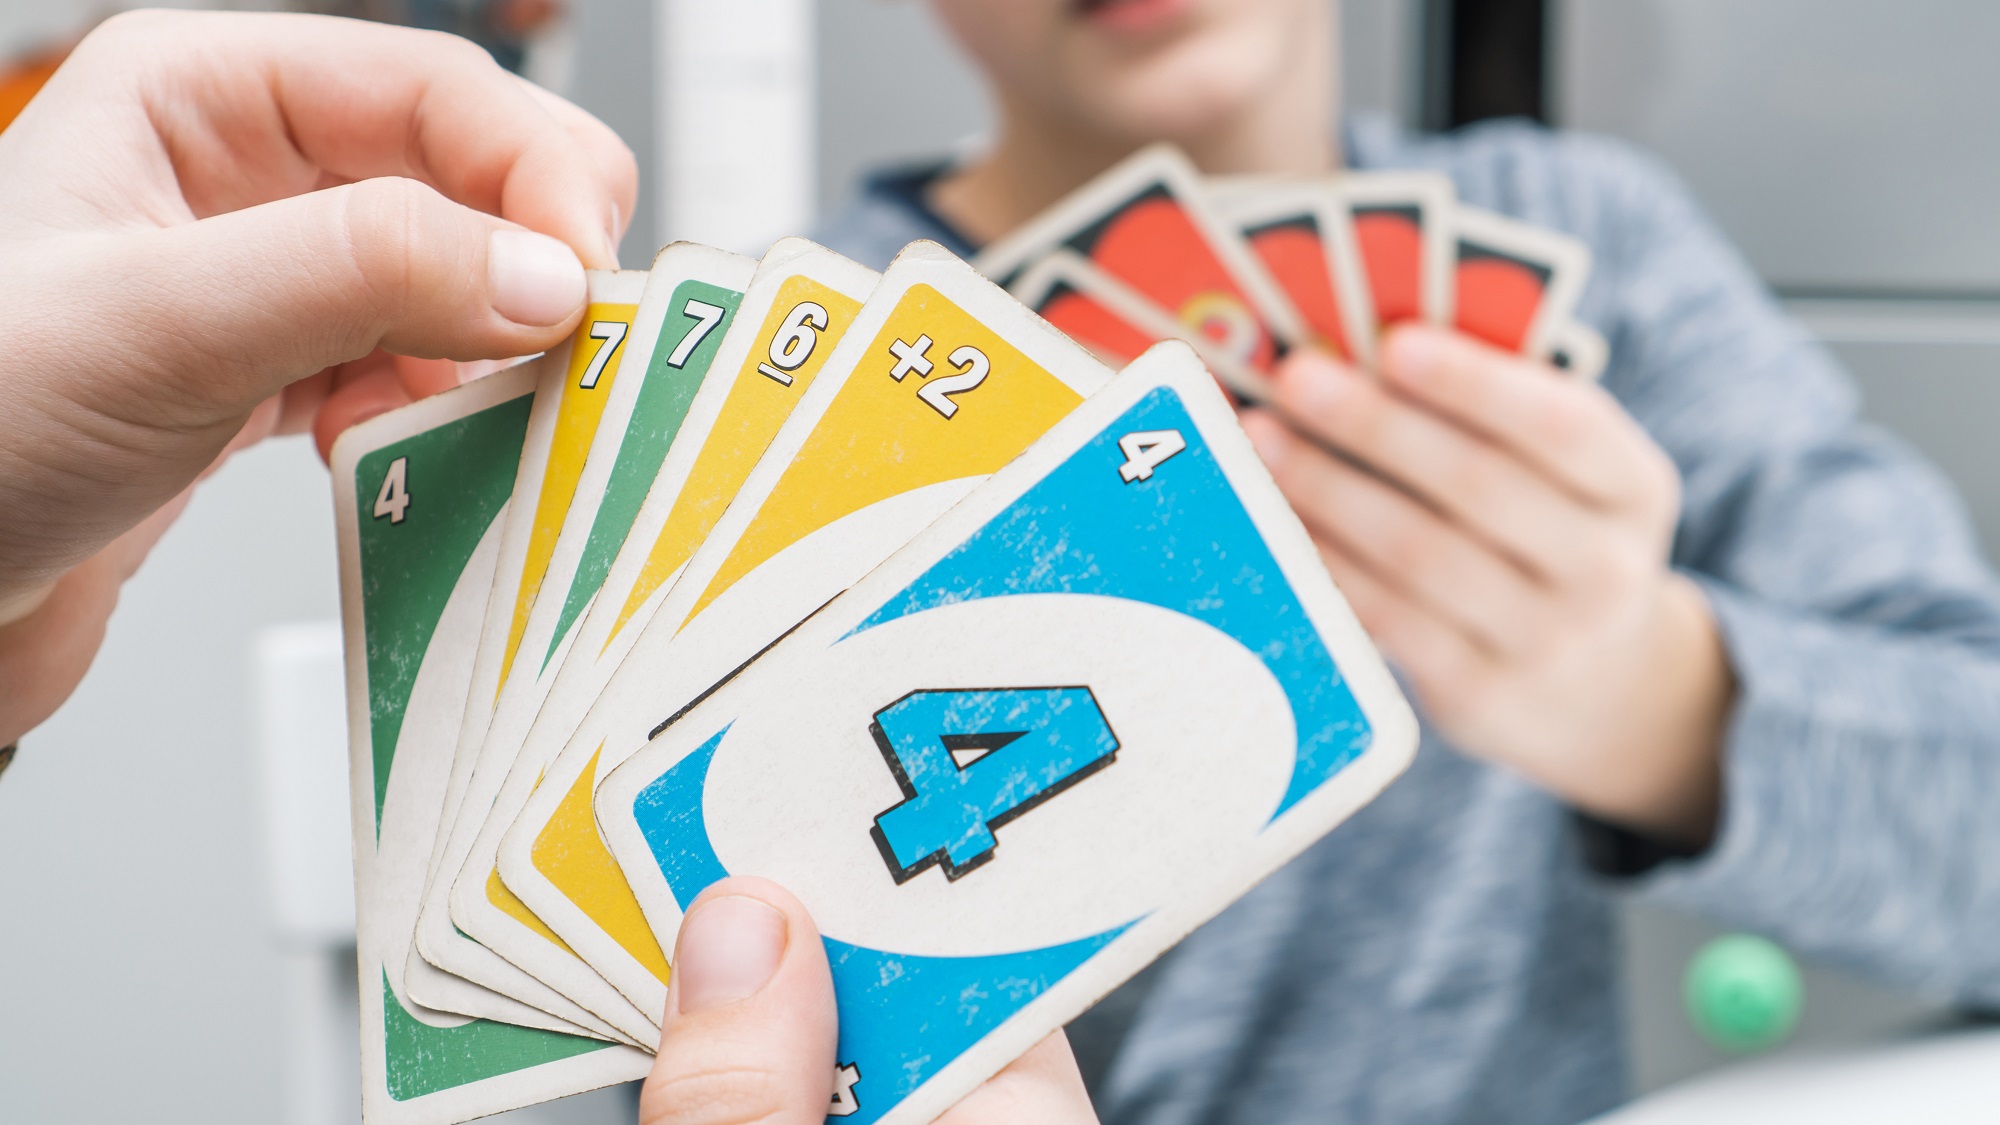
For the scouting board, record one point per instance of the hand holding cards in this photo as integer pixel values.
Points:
(882, 587)
(1244, 268)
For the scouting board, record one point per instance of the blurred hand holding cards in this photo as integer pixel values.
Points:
(885, 587)
(1246, 268)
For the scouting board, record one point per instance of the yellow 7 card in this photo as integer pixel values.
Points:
(449, 970)
(801, 302)
(944, 379)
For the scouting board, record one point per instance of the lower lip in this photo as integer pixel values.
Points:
(1131, 17)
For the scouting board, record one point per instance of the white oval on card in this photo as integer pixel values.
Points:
(798, 801)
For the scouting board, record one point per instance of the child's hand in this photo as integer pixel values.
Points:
(1503, 533)
(214, 227)
(749, 1030)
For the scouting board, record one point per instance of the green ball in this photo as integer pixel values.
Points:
(1743, 993)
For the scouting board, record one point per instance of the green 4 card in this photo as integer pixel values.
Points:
(420, 495)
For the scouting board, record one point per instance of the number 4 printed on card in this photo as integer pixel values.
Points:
(1146, 450)
(394, 498)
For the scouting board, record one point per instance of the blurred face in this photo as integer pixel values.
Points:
(1140, 70)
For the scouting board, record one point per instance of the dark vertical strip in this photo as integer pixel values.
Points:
(1483, 59)
(1436, 63)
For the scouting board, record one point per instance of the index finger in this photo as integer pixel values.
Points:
(1572, 432)
(251, 108)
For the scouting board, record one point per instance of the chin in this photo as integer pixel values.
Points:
(1186, 92)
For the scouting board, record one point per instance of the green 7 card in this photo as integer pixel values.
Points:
(1072, 720)
(801, 301)
(419, 495)
(940, 381)
(690, 298)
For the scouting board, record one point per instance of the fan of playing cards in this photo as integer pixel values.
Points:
(881, 586)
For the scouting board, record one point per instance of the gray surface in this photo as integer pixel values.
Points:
(1945, 397)
(139, 965)
(1379, 41)
(1842, 145)
(892, 87)
(1838, 1010)
(1845, 144)
(612, 77)
(1932, 375)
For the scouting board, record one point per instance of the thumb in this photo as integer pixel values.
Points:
(749, 1032)
(222, 313)
(187, 328)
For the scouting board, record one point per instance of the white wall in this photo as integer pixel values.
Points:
(139, 972)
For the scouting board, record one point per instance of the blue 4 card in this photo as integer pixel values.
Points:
(1075, 718)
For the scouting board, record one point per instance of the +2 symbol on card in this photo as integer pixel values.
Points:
(969, 761)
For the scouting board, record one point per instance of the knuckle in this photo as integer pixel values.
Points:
(1375, 420)
(1594, 562)
(1558, 638)
(142, 24)
(1568, 421)
(1406, 549)
(1362, 423)
(1607, 574)
(459, 51)
(626, 166)
(382, 223)
(1629, 570)
(132, 38)
(1661, 487)
(1462, 696)
(1528, 630)
(715, 1095)
(1472, 482)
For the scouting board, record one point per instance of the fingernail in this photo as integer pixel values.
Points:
(479, 369)
(1308, 362)
(728, 949)
(532, 279)
(1320, 386)
(611, 234)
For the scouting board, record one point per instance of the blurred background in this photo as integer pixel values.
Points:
(177, 921)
